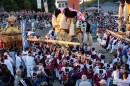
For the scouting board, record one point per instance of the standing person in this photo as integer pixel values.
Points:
(8, 64)
(125, 81)
(17, 78)
(115, 75)
(87, 36)
(29, 63)
(18, 60)
(52, 34)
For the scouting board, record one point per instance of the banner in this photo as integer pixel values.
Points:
(39, 5)
(24, 36)
(45, 5)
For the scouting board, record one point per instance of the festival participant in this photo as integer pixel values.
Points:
(17, 78)
(99, 74)
(8, 64)
(87, 39)
(18, 60)
(52, 34)
(109, 70)
(116, 59)
(29, 62)
(113, 45)
(115, 75)
(124, 82)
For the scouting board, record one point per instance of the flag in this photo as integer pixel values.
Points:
(39, 5)
(45, 5)
(24, 36)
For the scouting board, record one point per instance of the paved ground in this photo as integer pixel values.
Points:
(95, 45)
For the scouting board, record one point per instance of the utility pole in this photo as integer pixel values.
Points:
(98, 5)
(83, 5)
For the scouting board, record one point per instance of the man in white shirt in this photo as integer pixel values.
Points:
(115, 75)
(8, 64)
(125, 81)
(29, 63)
(18, 60)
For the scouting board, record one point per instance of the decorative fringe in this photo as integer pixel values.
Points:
(87, 39)
(125, 12)
(71, 30)
(120, 11)
(90, 40)
(53, 21)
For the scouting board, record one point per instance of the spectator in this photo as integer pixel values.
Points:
(84, 81)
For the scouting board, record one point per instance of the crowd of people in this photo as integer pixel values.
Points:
(39, 20)
(41, 64)
(103, 21)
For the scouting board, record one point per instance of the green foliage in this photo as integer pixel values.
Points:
(10, 5)
(27, 4)
(51, 5)
(14, 5)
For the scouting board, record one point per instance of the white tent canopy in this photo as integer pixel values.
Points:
(92, 8)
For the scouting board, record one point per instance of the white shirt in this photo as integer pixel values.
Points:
(123, 82)
(30, 61)
(116, 60)
(9, 65)
(115, 76)
(18, 62)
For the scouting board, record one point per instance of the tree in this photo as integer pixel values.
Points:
(10, 5)
(51, 5)
(27, 5)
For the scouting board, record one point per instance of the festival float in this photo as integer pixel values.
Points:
(10, 36)
(124, 12)
(124, 20)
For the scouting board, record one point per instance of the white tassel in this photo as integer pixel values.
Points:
(90, 40)
(120, 11)
(71, 30)
(63, 24)
(85, 40)
(125, 12)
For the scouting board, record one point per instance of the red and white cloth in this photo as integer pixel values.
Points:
(80, 16)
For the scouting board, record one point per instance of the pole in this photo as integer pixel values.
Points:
(83, 5)
(98, 6)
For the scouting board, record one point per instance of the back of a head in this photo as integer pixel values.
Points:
(18, 72)
(44, 83)
(102, 82)
(84, 77)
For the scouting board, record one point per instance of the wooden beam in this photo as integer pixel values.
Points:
(52, 41)
(119, 36)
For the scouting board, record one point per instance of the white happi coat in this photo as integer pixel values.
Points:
(9, 66)
(18, 61)
(29, 64)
